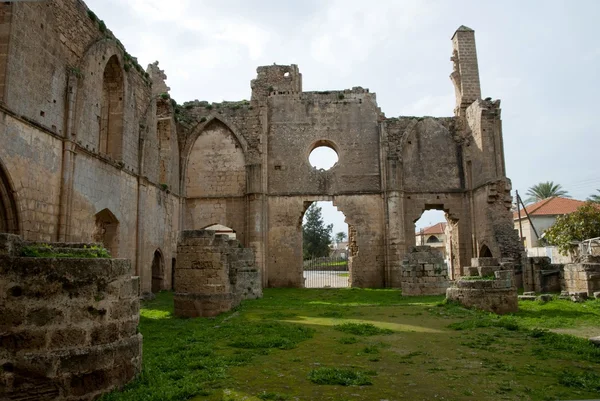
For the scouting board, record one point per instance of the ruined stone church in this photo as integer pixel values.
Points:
(93, 149)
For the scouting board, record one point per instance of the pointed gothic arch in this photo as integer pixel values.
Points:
(215, 165)
(111, 112)
(9, 213)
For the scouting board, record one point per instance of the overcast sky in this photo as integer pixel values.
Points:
(541, 58)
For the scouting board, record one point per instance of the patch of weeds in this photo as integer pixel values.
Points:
(348, 340)
(371, 349)
(505, 387)
(273, 396)
(553, 344)
(580, 380)
(496, 364)
(340, 96)
(270, 335)
(92, 15)
(486, 278)
(339, 376)
(279, 316)
(48, 251)
(333, 313)
(505, 322)
(362, 329)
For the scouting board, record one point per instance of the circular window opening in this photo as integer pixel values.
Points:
(323, 157)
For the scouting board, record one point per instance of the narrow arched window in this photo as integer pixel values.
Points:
(111, 119)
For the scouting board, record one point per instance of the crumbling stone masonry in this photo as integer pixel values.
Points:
(489, 287)
(424, 272)
(94, 149)
(68, 327)
(539, 275)
(583, 277)
(213, 274)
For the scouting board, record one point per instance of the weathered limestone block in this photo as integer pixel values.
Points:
(213, 274)
(68, 327)
(424, 272)
(583, 276)
(498, 296)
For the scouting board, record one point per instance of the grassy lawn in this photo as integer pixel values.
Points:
(356, 344)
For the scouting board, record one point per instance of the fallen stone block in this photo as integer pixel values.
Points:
(595, 341)
(527, 297)
(578, 296)
(545, 297)
(529, 293)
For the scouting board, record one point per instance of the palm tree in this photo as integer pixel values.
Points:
(545, 190)
(594, 197)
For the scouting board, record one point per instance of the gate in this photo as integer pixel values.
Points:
(327, 272)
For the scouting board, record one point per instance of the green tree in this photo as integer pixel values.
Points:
(545, 190)
(594, 197)
(316, 235)
(569, 229)
(340, 237)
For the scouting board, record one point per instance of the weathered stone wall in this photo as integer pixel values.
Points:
(583, 276)
(61, 171)
(68, 326)
(32, 160)
(424, 272)
(213, 274)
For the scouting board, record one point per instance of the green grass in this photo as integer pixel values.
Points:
(288, 345)
(339, 376)
(361, 329)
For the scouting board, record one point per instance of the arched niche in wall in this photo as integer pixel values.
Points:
(111, 111)
(216, 164)
(9, 215)
(107, 231)
(485, 252)
(158, 271)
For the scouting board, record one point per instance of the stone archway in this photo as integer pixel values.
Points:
(9, 216)
(158, 271)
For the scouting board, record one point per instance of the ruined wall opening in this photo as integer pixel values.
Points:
(325, 246)
(158, 271)
(111, 112)
(436, 229)
(222, 229)
(107, 231)
(323, 155)
(9, 221)
(485, 252)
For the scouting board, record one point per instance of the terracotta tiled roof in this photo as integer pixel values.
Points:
(550, 207)
(434, 229)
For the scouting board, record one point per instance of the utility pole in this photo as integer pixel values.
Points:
(519, 214)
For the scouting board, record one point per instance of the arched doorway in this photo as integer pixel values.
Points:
(9, 221)
(158, 271)
(326, 252)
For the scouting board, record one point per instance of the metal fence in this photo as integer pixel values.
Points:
(329, 272)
